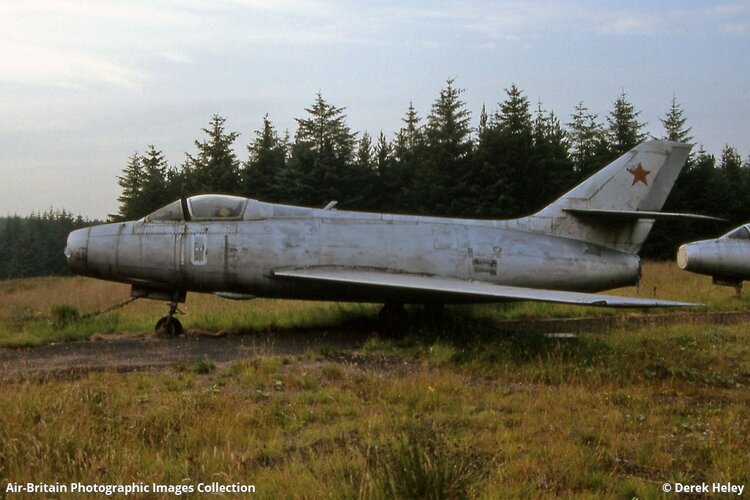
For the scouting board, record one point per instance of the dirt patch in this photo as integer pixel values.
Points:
(148, 351)
(144, 351)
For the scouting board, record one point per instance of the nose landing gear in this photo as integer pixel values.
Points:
(170, 325)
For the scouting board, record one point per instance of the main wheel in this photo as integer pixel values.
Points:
(169, 325)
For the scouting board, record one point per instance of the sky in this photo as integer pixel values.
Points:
(85, 84)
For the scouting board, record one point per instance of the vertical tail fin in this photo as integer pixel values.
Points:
(604, 208)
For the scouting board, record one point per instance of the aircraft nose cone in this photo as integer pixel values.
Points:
(76, 250)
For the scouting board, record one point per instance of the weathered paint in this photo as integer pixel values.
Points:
(554, 249)
(726, 258)
(239, 256)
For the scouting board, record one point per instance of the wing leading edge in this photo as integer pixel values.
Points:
(449, 287)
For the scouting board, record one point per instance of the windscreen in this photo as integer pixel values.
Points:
(740, 233)
(170, 213)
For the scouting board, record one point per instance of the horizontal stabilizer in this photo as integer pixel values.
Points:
(637, 214)
(445, 288)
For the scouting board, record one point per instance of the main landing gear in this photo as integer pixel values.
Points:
(170, 325)
(392, 319)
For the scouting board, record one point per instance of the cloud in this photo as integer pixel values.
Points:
(46, 66)
(175, 57)
(727, 10)
(70, 44)
(288, 7)
(628, 25)
(737, 29)
(733, 19)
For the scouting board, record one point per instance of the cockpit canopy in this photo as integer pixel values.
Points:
(740, 233)
(201, 207)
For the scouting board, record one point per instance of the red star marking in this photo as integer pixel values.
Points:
(639, 174)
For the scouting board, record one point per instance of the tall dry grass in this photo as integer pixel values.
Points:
(25, 307)
(611, 415)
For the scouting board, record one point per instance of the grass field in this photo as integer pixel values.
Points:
(453, 410)
(29, 309)
(450, 413)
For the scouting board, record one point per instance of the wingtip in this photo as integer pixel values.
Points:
(684, 304)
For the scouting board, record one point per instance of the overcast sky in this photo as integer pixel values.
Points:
(84, 84)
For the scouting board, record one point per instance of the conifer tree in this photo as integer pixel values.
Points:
(365, 152)
(674, 124)
(10, 244)
(325, 132)
(385, 185)
(483, 121)
(387, 188)
(408, 137)
(406, 152)
(215, 168)
(503, 167)
(320, 168)
(144, 185)
(624, 129)
(383, 153)
(666, 236)
(154, 192)
(445, 157)
(588, 142)
(131, 181)
(735, 185)
(514, 117)
(552, 164)
(705, 193)
(266, 159)
(32, 244)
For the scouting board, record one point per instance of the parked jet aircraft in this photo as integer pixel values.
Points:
(726, 259)
(240, 248)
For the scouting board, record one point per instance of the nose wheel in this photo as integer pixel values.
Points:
(169, 325)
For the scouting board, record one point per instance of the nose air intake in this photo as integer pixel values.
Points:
(703, 257)
(683, 257)
(700, 257)
(76, 250)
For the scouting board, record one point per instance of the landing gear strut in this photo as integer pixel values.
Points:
(434, 312)
(392, 319)
(170, 325)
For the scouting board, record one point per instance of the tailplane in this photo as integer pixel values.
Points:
(617, 206)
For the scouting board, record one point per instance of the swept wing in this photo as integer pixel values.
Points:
(449, 287)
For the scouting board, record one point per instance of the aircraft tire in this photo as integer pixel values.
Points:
(170, 326)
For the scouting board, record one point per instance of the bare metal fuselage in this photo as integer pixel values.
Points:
(239, 257)
(726, 259)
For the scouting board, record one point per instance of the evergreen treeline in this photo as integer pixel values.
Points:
(513, 162)
(33, 246)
